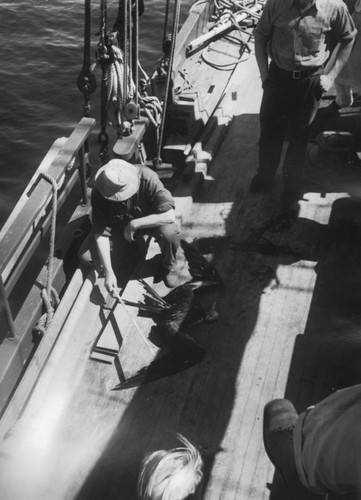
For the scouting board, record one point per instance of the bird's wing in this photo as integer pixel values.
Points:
(199, 267)
(155, 296)
(180, 355)
(153, 303)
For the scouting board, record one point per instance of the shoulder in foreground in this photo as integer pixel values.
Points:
(339, 4)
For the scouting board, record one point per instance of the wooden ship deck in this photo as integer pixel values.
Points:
(288, 327)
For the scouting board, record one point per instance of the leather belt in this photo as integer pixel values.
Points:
(298, 74)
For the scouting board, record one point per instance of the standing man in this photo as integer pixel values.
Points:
(129, 201)
(298, 36)
(318, 453)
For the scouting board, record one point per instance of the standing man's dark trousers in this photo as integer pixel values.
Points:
(289, 104)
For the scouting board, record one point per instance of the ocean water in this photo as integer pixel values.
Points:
(42, 48)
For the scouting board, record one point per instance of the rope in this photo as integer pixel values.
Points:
(145, 76)
(227, 66)
(125, 44)
(86, 80)
(166, 19)
(130, 49)
(136, 76)
(103, 57)
(226, 11)
(169, 76)
(49, 294)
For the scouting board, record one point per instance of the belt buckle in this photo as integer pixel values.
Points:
(296, 74)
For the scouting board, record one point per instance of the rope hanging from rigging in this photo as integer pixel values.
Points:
(102, 57)
(86, 80)
(123, 93)
(48, 293)
(177, 5)
(118, 87)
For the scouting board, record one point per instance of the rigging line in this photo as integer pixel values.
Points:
(165, 26)
(130, 89)
(145, 76)
(86, 80)
(130, 50)
(169, 75)
(125, 46)
(103, 21)
(48, 292)
(55, 187)
(136, 76)
(120, 97)
(103, 55)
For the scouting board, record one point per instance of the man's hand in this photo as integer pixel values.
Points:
(129, 231)
(110, 282)
(326, 82)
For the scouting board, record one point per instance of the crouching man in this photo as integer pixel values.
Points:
(129, 201)
(317, 452)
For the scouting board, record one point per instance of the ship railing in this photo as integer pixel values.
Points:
(22, 235)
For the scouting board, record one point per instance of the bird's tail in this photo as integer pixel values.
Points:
(153, 303)
(199, 267)
(182, 354)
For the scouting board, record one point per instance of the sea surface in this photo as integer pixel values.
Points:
(42, 49)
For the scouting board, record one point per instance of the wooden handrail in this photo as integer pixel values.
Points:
(18, 240)
(21, 229)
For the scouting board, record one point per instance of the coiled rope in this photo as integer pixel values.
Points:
(226, 11)
(49, 294)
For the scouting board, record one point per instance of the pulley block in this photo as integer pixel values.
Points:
(86, 81)
(131, 110)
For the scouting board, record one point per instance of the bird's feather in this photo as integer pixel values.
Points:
(199, 267)
(181, 353)
(170, 313)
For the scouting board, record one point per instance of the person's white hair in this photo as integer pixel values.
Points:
(170, 475)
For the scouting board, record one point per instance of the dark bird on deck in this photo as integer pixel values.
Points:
(172, 314)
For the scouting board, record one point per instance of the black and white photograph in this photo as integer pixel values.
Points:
(180, 250)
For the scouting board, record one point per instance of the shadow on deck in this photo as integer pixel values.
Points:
(326, 357)
(197, 403)
(200, 403)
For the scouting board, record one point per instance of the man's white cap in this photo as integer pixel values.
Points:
(118, 180)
